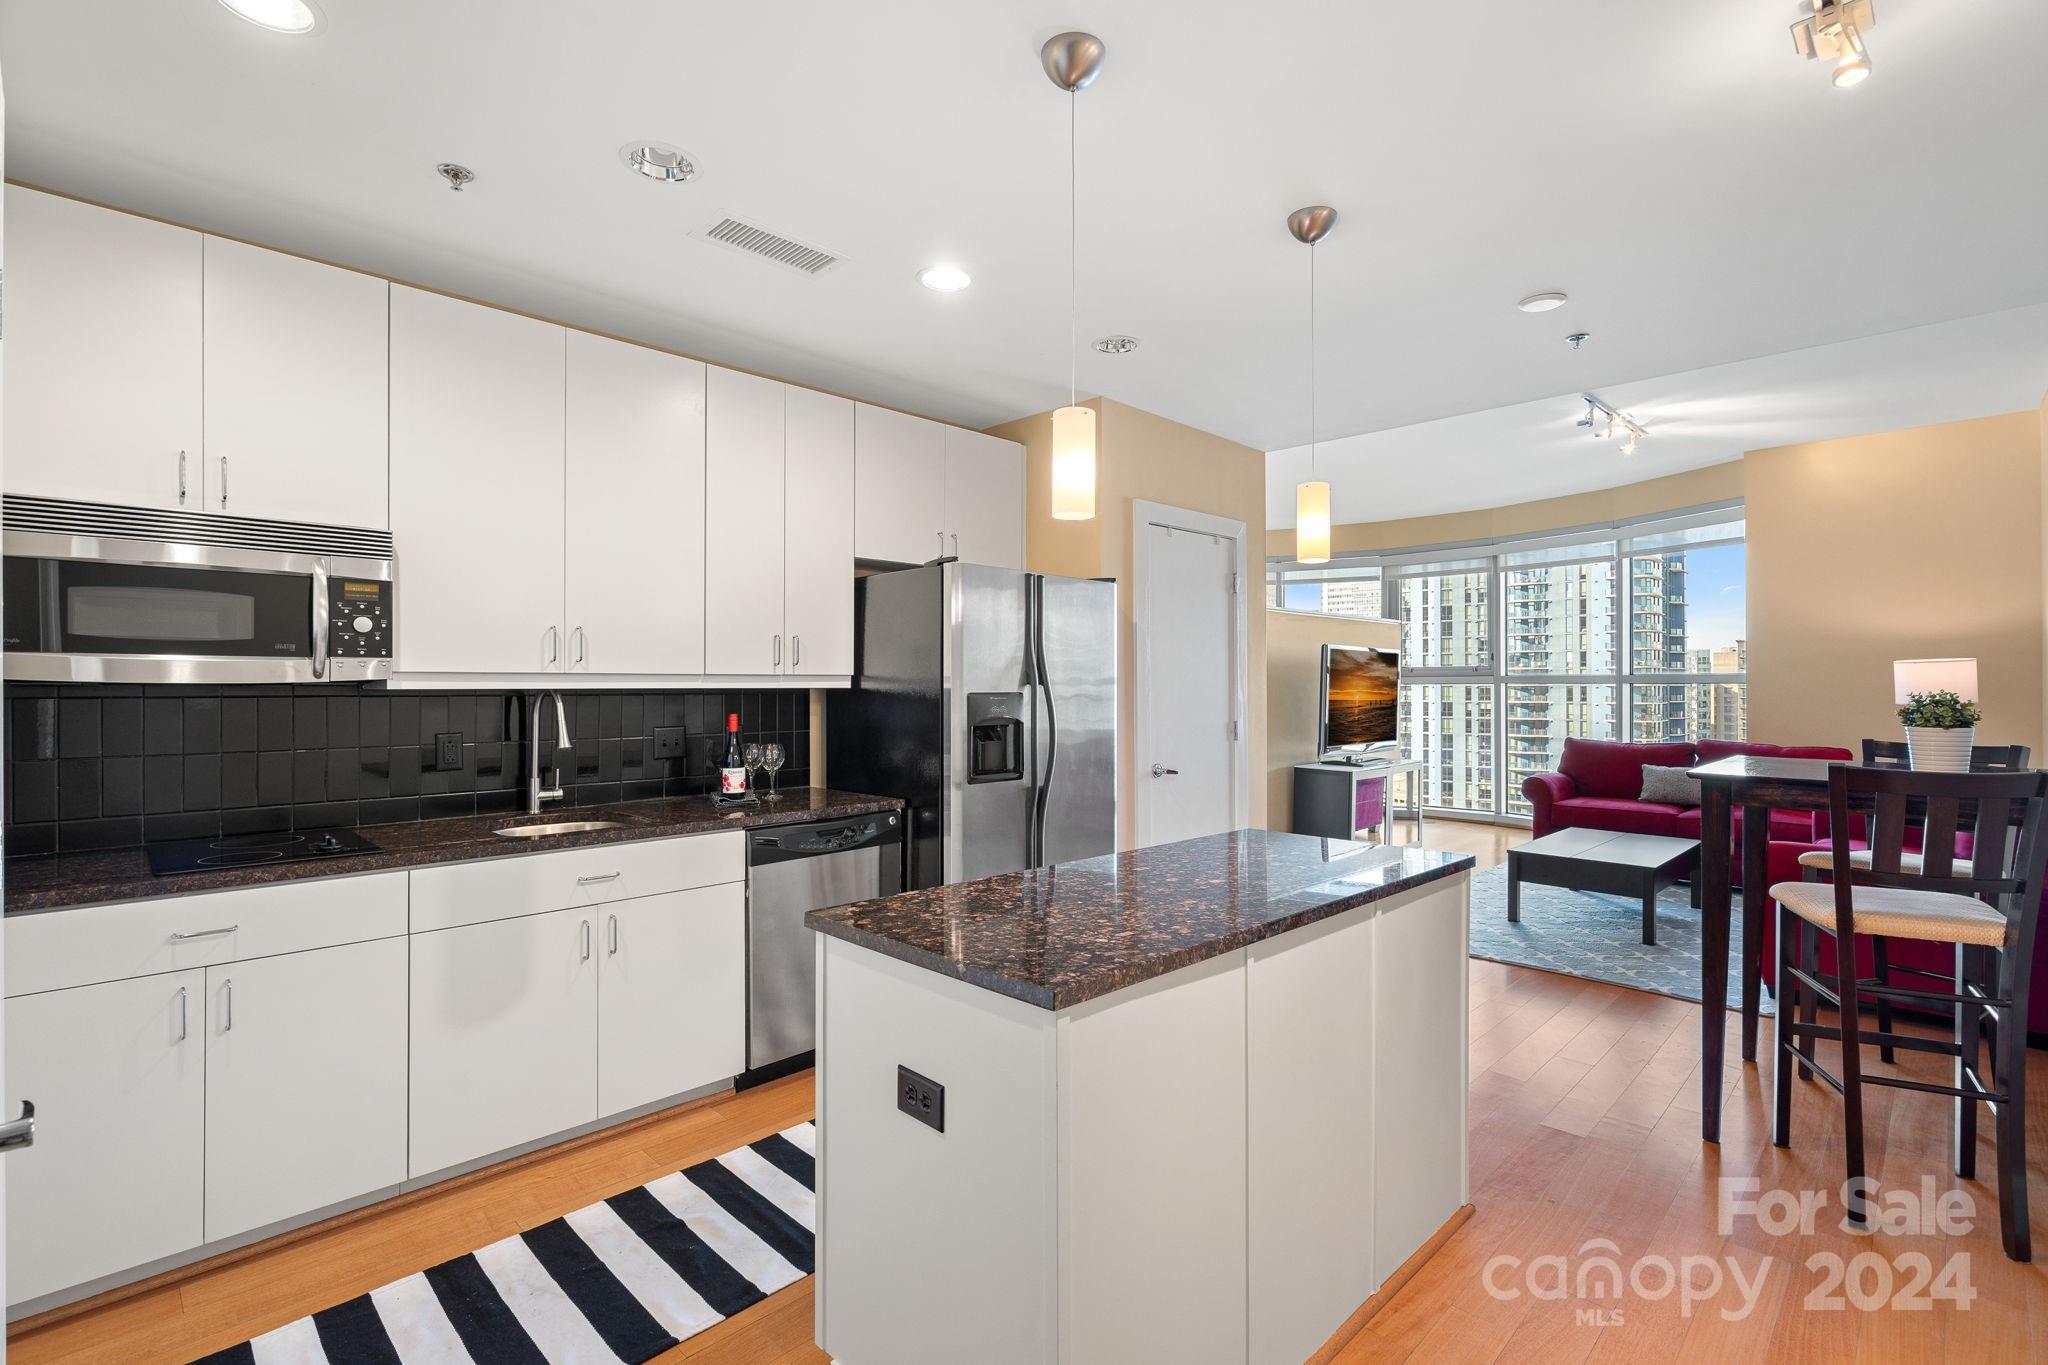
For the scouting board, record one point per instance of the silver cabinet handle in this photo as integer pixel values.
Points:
(577, 636)
(956, 545)
(778, 651)
(181, 936)
(184, 1021)
(554, 645)
(586, 941)
(227, 995)
(1161, 770)
(223, 482)
(321, 607)
(181, 478)
(942, 544)
(597, 877)
(18, 1133)
(796, 651)
(615, 936)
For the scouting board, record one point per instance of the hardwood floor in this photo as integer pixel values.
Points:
(1584, 1127)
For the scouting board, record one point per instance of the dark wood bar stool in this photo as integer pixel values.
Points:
(1894, 753)
(1988, 908)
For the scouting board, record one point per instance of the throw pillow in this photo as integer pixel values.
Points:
(1670, 785)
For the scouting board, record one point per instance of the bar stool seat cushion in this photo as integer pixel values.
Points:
(1899, 912)
(1824, 860)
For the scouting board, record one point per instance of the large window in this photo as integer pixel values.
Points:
(1628, 631)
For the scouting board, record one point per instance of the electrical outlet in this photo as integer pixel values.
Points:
(922, 1098)
(448, 751)
(669, 741)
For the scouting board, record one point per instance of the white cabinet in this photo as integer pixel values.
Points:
(476, 486)
(1419, 990)
(116, 1177)
(305, 1082)
(103, 355)
(984, 498)
(817, 554)
(899, 486)
(296, 396)
(504, 1035)
(671, 995)
(635, 451)
(743, 525)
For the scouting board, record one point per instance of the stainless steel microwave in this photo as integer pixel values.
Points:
(96, 593)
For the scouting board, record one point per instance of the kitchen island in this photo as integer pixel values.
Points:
(1195, 1102)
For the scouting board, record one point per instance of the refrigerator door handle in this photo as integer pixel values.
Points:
(1052, 719)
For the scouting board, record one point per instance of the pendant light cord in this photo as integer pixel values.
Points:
(1073, 250)
(1311, 360)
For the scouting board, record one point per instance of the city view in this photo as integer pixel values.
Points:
(1559, 669)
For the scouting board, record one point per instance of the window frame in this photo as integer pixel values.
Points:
(1619, 539)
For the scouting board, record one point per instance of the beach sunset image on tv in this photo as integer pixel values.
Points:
(1364, 697)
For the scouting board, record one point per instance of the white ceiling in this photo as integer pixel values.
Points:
(1703, 193)
(1946, 372)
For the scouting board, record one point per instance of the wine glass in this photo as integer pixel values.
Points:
(771, 759)
(751, 756)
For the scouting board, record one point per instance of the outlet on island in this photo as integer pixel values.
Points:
(921, 1097)
(448, 751)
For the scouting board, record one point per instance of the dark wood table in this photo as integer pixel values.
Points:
(1759, 786)
(1638, 865)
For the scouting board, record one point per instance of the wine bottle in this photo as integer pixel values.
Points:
(732, 773)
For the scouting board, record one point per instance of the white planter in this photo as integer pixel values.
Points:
(1939, 751)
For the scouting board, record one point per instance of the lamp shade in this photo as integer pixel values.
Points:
(1073, 464)
(1934, 675)
(1312, 522)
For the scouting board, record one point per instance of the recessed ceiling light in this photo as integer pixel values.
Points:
(947, 279)
(659, 161)
(279, 16)
(1542, 303)
(1116, 345)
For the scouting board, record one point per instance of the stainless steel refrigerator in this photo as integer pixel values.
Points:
(986, 699)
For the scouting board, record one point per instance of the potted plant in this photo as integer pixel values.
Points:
(1940, 729)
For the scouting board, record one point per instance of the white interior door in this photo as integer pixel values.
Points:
(1187, 774)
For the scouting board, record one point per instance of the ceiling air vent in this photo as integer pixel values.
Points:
(770, 246)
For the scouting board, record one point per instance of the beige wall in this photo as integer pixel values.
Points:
(1143, 456)
(2044, 573)
(1294, 656)
(1923, 543)
(1693, 488)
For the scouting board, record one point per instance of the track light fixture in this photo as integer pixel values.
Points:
(1834, 32)
(1604, 422)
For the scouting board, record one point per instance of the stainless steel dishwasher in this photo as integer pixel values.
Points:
(792, 869)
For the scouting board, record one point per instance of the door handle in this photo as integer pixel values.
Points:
(181, 478)
(577, 636)
(554, 645)
(778, 651)
(614, 952)
(1161, 770)
(796, 651)
(184, 1021)
(21, 1132)
(227, 993)
(586, 941)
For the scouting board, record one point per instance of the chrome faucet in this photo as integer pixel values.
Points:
(535, 793)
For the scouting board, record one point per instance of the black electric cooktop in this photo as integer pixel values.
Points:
(250, 850)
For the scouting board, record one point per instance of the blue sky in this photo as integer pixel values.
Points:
(1714, 608)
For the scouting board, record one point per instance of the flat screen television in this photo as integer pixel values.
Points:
(1361, 700)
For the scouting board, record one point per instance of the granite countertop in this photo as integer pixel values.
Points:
(65, 880)
(1062, 935)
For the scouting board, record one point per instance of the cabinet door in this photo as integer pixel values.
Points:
(305, 1082)
(636, 497)
(984, 499)
(899, 485)
(476, 486)
(103, 355)
(297, 403)
(115, 1179)
(672, 999)
(743, 523)
(504, 1035)
(817, 599)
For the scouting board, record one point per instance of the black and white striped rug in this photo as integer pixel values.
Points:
(619, 1281)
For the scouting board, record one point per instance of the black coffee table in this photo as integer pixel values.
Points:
(1639, 865)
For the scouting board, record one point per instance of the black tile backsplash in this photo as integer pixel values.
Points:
(92, 767)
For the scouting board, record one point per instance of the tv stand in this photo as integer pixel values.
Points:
(1326, 794)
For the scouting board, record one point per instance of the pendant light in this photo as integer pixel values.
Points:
(1072, 60)
(1312, 496)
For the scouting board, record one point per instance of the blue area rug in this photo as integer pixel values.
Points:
(1600, 938)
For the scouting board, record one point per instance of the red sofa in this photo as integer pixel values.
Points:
(1599, 785)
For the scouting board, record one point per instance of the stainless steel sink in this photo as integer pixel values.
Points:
(558, 827)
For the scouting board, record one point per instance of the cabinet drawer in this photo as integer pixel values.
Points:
(60, 948)
(503, 888)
